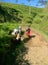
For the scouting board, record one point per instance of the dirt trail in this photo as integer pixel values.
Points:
(37, 50)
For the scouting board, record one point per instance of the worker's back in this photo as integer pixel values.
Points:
(29, 32)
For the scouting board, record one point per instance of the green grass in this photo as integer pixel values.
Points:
(15, 15)
(11, 52)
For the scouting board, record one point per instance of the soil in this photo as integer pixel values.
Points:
(37, 49)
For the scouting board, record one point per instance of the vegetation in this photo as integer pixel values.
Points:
(11, 16)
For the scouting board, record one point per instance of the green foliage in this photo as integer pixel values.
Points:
(11, 16)
(37, 20)
(16, 13)
(11, 53)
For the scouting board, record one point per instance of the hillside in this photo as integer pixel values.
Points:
(14, 15)
(38, 17)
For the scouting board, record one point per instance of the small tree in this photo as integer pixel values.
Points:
(43, 2)
(29, 6)
(16, 1)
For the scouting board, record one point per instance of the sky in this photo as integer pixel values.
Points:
(32, 2)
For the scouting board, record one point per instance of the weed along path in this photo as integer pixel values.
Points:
(37, 50)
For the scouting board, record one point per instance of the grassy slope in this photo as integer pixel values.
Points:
(20, 13)
(16, 13)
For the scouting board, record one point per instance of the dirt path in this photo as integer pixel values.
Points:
(37, 50)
